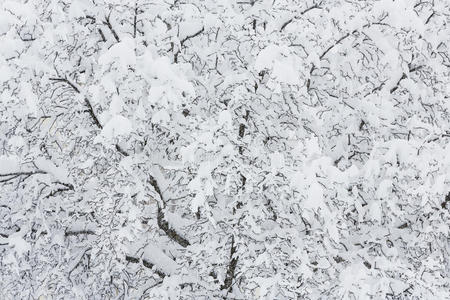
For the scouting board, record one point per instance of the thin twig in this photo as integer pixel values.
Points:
(317, 5)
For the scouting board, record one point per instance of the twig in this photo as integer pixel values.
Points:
(301, 13)
(334, 45)
(429, 18)
(79, 262)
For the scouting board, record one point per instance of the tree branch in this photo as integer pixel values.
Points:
(317, 5)
(334, 45)
(90, 109)
(66, 81)
(308, 82)
(162, 223)
(79, 262)
(184, 41)
(107, 22)
(78, 232)
(187, 38)
(429, 18)
(404, 76)
(231, 268)
(92, 113)
(446, 201)
(86, 100)
(171, 233)
(121, 150)
(135, 21)
(146, 264)
(155, 185)
(67, 187)
(10, 176)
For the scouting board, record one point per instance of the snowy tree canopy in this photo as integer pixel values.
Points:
(202, 149)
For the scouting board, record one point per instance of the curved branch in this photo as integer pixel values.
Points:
(317, 5)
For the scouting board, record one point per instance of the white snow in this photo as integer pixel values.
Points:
(116, 126)
(9, 164)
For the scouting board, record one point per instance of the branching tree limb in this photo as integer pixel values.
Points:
(324, 53)
(162, 223)
(183, 41)
(107, 22)
(86, 100)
